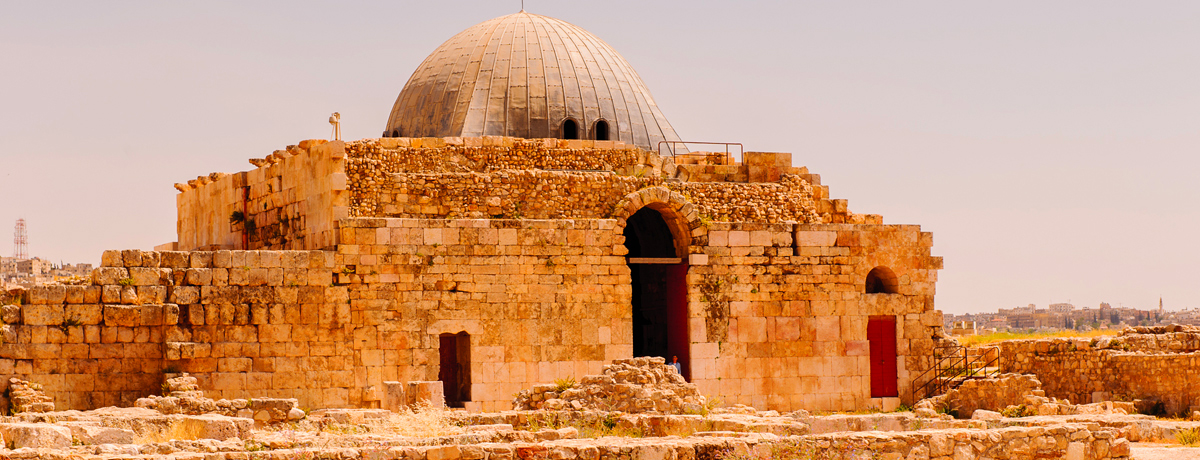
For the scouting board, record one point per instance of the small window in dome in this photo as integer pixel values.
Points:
(570, 130)
(601, 130)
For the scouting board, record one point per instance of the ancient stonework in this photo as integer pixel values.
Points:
(1156, 365)
(635, 385)
(26, 396)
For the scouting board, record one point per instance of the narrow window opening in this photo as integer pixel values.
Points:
(570, 130)
(601, 130)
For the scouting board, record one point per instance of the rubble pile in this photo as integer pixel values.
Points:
(26, 396)
(183, 396)
(634, 385)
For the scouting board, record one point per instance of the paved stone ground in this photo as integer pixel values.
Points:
(1156, 451)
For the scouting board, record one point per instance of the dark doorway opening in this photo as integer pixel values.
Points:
(659, 295)
(601, 130)
(570, 129)
(881, 333)
(454, 368)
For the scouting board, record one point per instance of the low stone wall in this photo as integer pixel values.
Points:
(246, 323)
(993, 394)
(1157, 367)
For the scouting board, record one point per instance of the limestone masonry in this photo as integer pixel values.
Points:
(537, 238)
(371, 253)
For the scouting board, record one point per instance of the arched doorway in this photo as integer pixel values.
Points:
(659, 297)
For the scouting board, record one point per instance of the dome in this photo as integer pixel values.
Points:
(531, 76)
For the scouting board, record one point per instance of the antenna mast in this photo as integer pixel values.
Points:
(20, 241)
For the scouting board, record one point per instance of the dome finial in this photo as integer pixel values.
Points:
(522, 6)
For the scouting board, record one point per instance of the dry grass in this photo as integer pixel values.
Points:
(423, 422)
(1188, 437)
(985, 339)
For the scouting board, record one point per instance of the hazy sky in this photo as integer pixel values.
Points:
(1051, 147)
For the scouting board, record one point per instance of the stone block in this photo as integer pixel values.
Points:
(35, 435)
(87, 314)
(122, 315)
(184, 295)
(94, 435)
(199, 276)
(10, 314)
(212, 426)
(131, 258)
(111, 258)
(106, 276)
(815, 239)
(393, 396)
(200, 259)
(42, 315)
(426, 393)
(174, 259)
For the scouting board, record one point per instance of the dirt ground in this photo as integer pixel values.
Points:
(1155, 451)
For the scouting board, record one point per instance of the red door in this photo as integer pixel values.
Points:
(881, 332)
(678, 343)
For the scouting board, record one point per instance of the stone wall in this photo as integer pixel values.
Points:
(1163, 366)
(508, 194)
(540, 299)
(291, 200)
(294, 197)
(779, 315)
(246, 323)
(776, 312)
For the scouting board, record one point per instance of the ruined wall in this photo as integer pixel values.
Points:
(540, 299)
(1163, 366)
(295, 198)
(246, 323)
(779, 318)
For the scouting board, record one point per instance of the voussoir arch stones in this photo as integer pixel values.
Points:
(681, 216)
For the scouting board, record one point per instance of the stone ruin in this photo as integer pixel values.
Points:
(1010, 395)
(26, 396)
(634, 385)
(183, 396)
(1153, 367)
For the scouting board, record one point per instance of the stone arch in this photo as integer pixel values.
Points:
(659, 309)
(881, 280)
(682, 217)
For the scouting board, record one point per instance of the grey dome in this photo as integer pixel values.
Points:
(524, 75)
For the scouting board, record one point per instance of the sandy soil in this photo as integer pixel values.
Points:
(1155, 451)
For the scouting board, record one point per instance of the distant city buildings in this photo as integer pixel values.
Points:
(16, 272)
(1061, 316)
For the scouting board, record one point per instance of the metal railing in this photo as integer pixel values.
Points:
(953, 365)
(728, 155)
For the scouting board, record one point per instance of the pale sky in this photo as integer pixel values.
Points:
(1051, 147)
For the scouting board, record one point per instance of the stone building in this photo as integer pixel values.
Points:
(534, 231)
